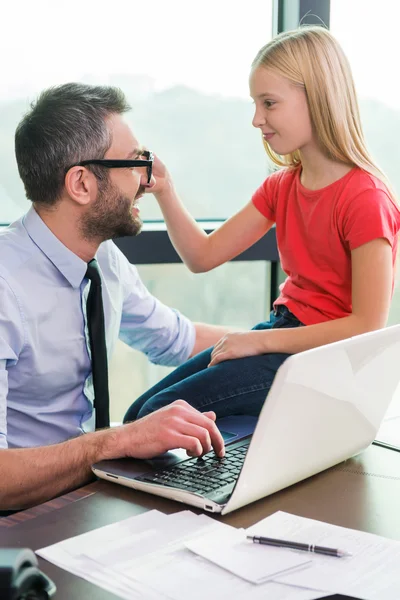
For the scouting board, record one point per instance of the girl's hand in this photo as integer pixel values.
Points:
(238, 345)
(161, 179)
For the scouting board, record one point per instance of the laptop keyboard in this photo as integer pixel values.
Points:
(203, 475)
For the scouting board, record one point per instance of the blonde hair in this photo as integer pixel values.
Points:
(311, 57)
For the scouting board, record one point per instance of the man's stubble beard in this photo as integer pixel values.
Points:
(110, 216)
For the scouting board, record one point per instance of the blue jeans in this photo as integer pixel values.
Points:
(233, 387)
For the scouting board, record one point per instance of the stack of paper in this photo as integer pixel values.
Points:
(145, 557)
(156, 557)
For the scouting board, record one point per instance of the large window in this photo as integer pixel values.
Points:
(368, 33)
(184, 67)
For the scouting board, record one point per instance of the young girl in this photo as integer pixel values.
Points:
(336, 225)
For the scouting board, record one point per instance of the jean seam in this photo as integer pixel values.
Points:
(253, 388)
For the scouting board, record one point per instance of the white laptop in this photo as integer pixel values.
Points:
(325, 405)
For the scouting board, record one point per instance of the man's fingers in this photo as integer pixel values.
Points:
(200, 425)
(192, 446)
(217, 441)
(207, 432)
(201, 434)
(210, 414)
(207, 420)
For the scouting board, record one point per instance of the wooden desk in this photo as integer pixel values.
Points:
(362, 493)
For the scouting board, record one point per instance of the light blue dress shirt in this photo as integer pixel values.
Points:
(46, 391)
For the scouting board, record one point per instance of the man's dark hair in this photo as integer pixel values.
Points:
(64, 126)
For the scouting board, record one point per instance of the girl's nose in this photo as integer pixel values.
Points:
(258, 119)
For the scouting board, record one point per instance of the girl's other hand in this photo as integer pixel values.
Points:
(238, 345)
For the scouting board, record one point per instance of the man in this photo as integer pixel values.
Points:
(67, 149)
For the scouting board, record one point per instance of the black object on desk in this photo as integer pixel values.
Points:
(20, 576)
(386, 445)
(267, 541)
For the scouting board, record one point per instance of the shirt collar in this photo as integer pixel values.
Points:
(69, 264)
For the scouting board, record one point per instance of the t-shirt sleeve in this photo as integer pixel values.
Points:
(370, 215)
(265, 198)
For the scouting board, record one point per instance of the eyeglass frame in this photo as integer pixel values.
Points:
(121, 163)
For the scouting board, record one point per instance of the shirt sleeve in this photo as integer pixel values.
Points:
(370, 215)
(163, 334)
(11, 342)
(265, 198)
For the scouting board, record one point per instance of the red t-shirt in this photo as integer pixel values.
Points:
(316, 231)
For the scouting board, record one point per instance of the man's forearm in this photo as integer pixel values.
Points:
(208, 335)
(32, 475)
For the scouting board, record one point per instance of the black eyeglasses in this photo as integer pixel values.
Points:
(121, 163)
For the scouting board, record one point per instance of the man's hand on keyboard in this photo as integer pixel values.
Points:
(177, 425)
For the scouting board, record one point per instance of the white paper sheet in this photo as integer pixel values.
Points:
(372, 572)
(189, 576)
(257, 564)
(158, 548)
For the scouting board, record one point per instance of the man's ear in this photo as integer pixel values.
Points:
(80, 185)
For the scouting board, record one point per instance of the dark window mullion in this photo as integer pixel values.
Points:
(289, 14)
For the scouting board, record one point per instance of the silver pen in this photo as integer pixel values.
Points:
(267, 541)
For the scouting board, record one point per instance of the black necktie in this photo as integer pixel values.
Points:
(97, 337)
